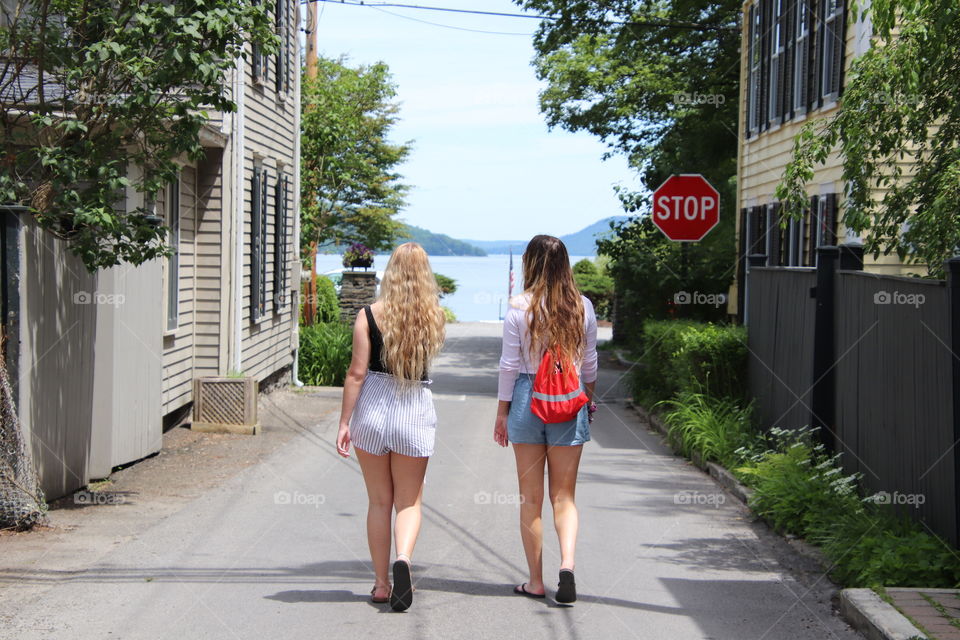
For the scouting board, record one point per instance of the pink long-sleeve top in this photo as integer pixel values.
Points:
(515, 333)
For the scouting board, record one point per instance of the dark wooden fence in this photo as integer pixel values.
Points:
(869, 359)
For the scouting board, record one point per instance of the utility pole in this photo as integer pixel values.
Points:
(310, 286)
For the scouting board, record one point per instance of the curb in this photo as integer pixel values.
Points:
(875, 618)
(624, 361)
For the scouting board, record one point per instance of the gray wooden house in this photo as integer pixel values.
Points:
(102, 363)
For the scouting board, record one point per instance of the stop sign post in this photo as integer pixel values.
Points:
(686, 207)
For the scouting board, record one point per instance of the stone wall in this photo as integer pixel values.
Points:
(357, 289)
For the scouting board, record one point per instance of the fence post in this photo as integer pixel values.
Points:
(753, 260)
(952, 268)
(851, 257)
(822, 400)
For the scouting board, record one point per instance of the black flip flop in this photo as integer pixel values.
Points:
(402, 595)
(522, 591)
(567, 589)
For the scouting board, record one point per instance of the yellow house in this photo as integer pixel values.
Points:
(794, 58)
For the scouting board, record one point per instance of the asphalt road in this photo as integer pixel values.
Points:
(279, 550)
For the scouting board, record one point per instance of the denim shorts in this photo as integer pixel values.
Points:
(523, 427)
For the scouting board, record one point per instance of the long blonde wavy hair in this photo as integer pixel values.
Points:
(555, 314)
(412, 322)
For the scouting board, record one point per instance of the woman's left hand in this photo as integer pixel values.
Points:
(500, 431)
(343, 441)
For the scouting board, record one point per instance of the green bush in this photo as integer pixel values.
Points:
(328, 306)
(682, 355)
(801, 490)
(716, 429)
(325, 351)
(446, 284)
(450, 315)
(596, 285)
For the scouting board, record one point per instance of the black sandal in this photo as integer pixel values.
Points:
(567, 589)
(401, 597)
(522, 591)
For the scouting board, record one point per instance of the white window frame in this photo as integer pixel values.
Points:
(172, 271)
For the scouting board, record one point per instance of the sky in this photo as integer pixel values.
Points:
(484, 165)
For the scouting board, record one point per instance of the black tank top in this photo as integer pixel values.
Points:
(376, 345)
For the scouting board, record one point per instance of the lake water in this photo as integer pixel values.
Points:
(481, 281)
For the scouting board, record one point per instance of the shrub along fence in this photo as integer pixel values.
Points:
(870, 360)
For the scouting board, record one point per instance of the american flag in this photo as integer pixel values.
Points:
(510, 287)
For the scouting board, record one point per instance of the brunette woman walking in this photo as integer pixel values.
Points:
(549, 314)
(388, 413)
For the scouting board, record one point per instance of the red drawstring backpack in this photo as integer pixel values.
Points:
(557, 396)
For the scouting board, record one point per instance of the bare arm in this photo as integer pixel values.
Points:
(353, 382)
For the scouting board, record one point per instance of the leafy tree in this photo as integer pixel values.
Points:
(446, 284)
(898, 134)
(350, 191)
(658, 82)
(89, 90)
(595, 285)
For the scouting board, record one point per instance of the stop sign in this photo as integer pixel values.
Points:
(686, 207)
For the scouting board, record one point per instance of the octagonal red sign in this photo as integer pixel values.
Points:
(686, 207)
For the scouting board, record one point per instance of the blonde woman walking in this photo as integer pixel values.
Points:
(388, 413)
(549, 314)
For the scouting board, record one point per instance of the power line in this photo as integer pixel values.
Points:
(634, 23)
(447, 26)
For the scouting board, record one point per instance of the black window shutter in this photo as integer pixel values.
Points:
(265, 182)
(774, 242)
(279, 244)
(255, 189)
(281, 18)
(758, 245)
(839, 42)
(803, 51)
(764, 102)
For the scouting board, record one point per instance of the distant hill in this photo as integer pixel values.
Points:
(581, 243)
(438, 244)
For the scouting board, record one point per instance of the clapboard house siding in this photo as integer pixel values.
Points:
(209, 353)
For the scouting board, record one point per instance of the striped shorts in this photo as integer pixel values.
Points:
(388, 417)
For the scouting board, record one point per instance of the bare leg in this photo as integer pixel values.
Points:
(376, 475)
(408, 475)
(530, 462)
(562, 466)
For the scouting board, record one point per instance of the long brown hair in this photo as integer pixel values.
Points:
(555, 314)
(413, 324)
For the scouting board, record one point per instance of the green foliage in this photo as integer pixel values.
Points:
(802, 490)
(595, 285)
(350, 189)
(328, 306)
(449, 314)
(446, 284)
(94, 89)
(716, 429)
(683, 356)
(898, 135)
(634, 88)
(325, 352)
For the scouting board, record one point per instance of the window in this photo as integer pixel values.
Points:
(172, 207)
(258, 243)
(776, 66)
(832, 51)
(259, 62)
(281, 192)
(753, 81)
